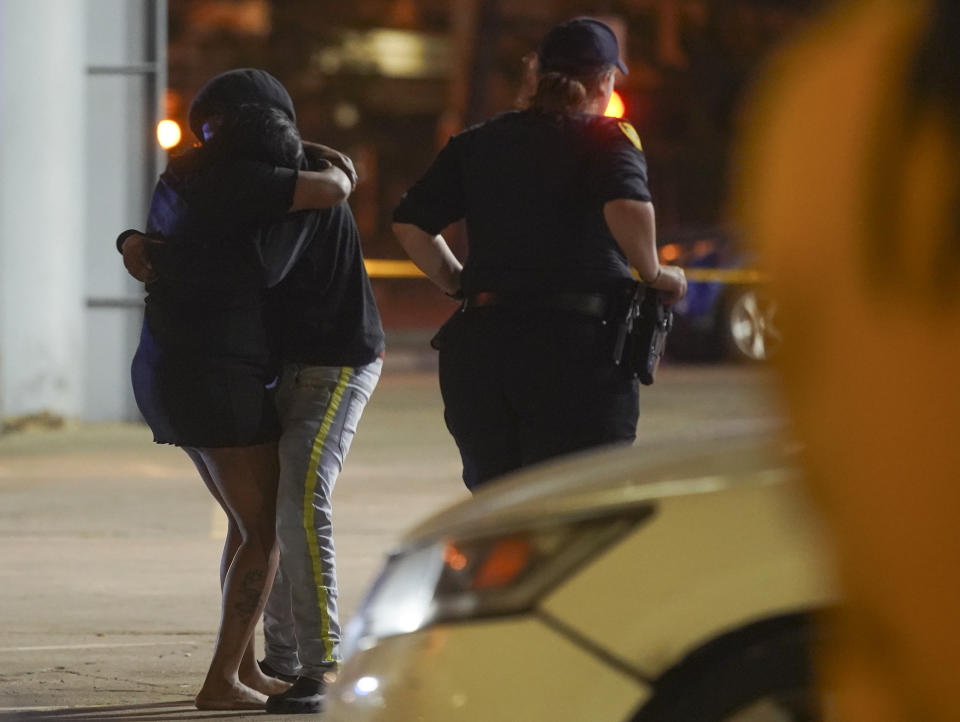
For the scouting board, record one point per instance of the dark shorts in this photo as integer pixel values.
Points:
(518, 389)
(204, 384)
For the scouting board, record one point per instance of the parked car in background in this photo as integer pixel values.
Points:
(728, 312)
(632, 585)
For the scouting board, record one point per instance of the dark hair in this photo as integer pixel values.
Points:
(258, 132)
(932, 82)
(561, 93)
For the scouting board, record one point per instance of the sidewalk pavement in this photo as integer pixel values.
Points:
(110, 544)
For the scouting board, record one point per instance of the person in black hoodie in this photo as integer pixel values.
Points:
(331, 341)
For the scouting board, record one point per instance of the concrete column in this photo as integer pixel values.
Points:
(42, 111)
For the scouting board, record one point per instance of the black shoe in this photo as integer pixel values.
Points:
(271, 672)
(304, 697)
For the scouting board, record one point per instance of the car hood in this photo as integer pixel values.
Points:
(594, 482)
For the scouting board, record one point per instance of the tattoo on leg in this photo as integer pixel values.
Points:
(251, 589)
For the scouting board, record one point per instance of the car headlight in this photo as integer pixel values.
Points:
(479, 576)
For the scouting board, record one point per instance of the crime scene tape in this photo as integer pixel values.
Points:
(391, 268)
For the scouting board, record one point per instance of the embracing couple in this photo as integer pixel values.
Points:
(261, 345)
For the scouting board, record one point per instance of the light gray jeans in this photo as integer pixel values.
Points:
(320, 407)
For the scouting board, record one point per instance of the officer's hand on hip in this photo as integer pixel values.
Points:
(672, 283)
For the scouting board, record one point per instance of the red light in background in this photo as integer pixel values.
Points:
(615, 108)
(669, 253)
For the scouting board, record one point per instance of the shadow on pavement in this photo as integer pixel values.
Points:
(138, 712)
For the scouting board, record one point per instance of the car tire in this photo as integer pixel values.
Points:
(764, 674)
(749, 325)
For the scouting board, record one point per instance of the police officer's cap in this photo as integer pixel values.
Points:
(578, 45)
(234, 88)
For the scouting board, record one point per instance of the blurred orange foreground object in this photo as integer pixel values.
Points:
(869, 361)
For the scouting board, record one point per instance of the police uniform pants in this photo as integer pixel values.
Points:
(523, 386)
(320, 407)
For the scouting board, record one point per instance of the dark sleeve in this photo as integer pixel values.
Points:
(436, 200)
(242, 192)
(620, 169)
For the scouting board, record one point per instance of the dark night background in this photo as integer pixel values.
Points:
(389, 80)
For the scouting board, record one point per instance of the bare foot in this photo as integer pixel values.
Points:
(238, 696)
(262, 683)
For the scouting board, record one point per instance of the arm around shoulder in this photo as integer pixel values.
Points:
(320, 189)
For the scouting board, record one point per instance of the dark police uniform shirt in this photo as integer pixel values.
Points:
(532, 189)
(324, 313)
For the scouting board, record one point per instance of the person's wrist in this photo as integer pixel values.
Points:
(651, 281)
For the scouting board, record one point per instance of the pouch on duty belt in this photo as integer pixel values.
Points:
(642, 334)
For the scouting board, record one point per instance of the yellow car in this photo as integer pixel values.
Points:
(628, 585)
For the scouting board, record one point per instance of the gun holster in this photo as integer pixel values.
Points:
(642, 334)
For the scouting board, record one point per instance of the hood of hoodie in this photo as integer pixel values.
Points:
(235, 88)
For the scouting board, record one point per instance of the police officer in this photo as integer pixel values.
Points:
(557, 209)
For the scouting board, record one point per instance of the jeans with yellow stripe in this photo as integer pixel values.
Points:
(320, 407)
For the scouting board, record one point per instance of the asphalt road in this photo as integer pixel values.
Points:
(109, 544)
